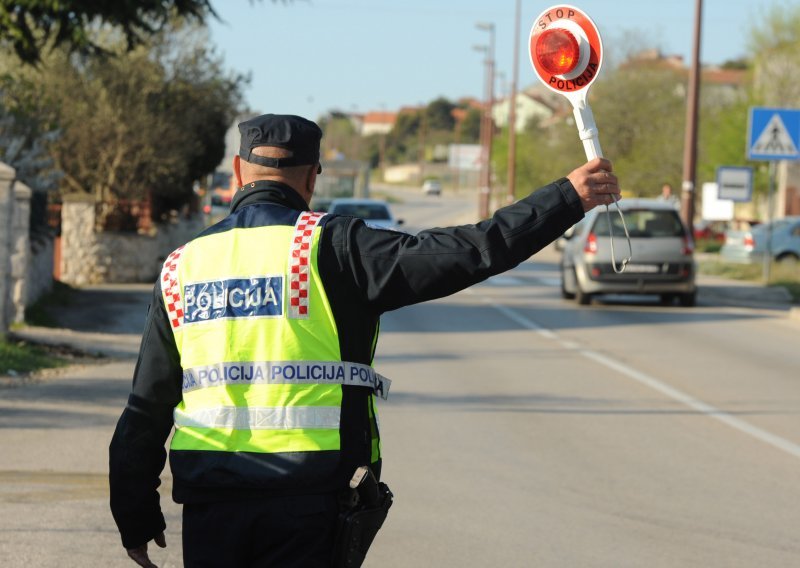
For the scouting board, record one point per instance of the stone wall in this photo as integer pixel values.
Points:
(28, 269)
(20, 251)
(91, 257)
(6, 243)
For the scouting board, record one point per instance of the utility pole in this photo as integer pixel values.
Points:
(421, 142)
(512, 115)
(459, 116)
(485, 190)
(483, 186)
(690, 141)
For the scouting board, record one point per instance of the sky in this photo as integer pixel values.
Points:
(309, 57)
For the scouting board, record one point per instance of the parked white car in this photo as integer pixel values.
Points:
(432, 187)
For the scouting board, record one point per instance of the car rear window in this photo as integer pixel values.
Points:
(363, 211)
(642, 223)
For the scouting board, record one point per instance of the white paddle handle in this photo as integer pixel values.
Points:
(587, 129)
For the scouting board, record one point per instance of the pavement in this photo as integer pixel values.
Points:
(107, 320)
(56, 426)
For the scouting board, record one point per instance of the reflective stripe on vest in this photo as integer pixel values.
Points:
(258, 342)
(286, 373)
(256, 418)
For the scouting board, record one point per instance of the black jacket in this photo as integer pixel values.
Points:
(365, 272)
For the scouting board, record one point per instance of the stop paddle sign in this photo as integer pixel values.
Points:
(566, 52)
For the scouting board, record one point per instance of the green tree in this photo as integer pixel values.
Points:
(23, 143)
(402, 141)
(32, 25)
(147, 121)
(471, 126)
(775, 47)
(640, 112)
(340, 136)
(722, 139)
(543, 154)
(439, 115)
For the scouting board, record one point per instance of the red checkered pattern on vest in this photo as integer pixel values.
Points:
(299, 270)
(171, 289)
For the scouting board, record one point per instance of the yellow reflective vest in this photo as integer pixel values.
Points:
(259, 348)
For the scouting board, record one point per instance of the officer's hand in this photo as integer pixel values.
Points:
(595, 183)
(139, 554)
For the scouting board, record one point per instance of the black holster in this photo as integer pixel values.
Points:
(364, 508)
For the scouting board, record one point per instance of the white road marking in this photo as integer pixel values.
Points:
(649, 381)
(504, 281)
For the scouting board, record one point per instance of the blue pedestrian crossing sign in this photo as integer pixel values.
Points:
(773, 134)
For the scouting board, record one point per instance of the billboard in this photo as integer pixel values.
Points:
(464, 157)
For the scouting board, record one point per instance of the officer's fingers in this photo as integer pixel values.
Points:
(139, 555)
(604, 182)
(160, 540)
(598, 165)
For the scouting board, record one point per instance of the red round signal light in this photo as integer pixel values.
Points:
(557, 51)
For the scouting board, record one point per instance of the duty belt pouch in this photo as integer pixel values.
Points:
(365, 509)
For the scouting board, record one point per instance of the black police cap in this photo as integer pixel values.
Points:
(294, 133)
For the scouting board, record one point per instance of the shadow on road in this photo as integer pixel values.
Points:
(548, 404)
(119, 308)
(444, 317)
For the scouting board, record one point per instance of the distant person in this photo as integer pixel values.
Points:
(258, 349)
(668, 196)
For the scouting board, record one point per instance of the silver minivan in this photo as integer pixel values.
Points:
(662, 260)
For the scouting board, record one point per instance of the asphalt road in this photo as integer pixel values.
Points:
(521, 430)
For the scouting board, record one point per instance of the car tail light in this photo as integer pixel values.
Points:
(591, 244)
(688, 246)
(749, 242)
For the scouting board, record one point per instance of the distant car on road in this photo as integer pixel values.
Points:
(750, 244)
(374, 211)
(432, 187)
(662, 260)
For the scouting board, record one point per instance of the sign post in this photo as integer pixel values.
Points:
(735, 183)
(773, 134)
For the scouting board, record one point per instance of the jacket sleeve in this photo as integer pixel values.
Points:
(137, 454)
(394, 269)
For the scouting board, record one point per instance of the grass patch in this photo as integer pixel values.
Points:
(20, 357)
(793, 287)
(784, 274)
(41, 313)
(708, 245)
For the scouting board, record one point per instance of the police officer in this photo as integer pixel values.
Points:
(258, 349)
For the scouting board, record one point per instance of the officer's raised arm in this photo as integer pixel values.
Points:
(395, 270)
